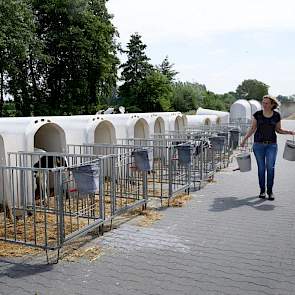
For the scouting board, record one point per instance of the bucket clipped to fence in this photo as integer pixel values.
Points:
(217, 142)
(87, 177)
(184, 154)
(244, 161)
(143, 159)
(289, 151)
(234, 137)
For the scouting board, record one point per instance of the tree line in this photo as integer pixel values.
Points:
(60, 57)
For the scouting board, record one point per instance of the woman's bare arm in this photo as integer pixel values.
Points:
(280, 130)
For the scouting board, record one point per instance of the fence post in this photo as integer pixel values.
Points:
(144, 189)
(113, 184)
(60, 206)
(170, 172)
(101, 193)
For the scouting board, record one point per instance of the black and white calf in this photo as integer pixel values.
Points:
(44, 179)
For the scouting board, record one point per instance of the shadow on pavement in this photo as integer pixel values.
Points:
(17, 270)
(222, 204)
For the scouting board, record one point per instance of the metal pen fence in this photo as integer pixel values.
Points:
(50, 199)
(169, 174)
(216, 149)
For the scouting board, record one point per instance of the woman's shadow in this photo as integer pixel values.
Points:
(227, 203)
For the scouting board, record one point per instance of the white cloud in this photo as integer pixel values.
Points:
(156, 19)
(217, 43)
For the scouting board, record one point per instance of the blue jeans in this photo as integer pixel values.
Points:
(265, 155)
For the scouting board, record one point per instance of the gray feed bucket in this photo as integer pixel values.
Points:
(225, 134)
(217, 142)
(234, 137)
(244, 161)
(184, 154)
(143, 159)
(289, 151)
(87, 178)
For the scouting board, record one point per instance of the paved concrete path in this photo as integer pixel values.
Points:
(225, 241)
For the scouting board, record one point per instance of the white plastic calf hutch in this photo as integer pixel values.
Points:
(255, 106)
(223, 116)
(156, 122)
(2, 152)
(134, 125)
(102, 130)
(240, 111)
(2, 163)
(28, 133)
(93, 128)
(194, 121)
(129, 125)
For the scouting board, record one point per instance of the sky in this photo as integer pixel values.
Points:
(215, 43)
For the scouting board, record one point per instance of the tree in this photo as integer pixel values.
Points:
(154, 92)
(17, 43)
(252, 89)
(134, 70)
(81, 66)
(228, 99)
(213, 101)
(56, 56)
(166, 69)
(187, 96)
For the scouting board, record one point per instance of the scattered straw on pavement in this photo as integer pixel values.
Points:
(179, 201)
(149, 216)
(90, 253)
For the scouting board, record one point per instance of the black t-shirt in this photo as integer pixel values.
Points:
(266, 127)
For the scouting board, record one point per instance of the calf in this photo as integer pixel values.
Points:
(44, 180)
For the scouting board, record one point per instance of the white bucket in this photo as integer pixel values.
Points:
(289, 151)
(244, 161)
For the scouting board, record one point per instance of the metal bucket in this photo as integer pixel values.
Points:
(244, 161)
(289, 151)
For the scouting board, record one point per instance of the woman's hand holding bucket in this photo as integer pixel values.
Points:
(243, 142)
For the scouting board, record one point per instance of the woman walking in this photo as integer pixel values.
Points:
(265, 124)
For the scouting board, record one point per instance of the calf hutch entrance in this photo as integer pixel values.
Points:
(105, 133)
(141, 129)
(51, 138)
(179, 124)
(159, 126)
